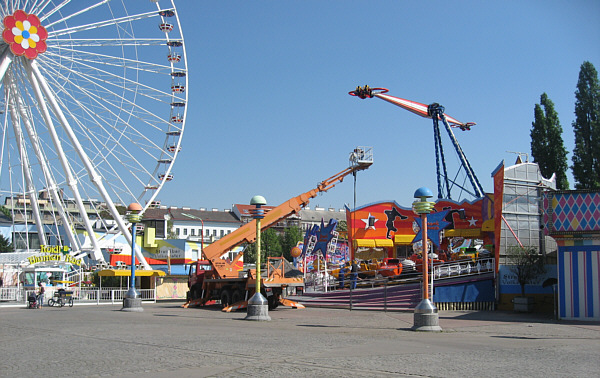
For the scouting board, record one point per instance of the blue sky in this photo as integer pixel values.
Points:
(269, 111)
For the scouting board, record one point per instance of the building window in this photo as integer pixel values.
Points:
(193, 232)
(185, 231)
(222, 233)
(177, 231)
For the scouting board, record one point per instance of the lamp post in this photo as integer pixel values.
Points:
(258, 306)
(132, 301)
(426, 317)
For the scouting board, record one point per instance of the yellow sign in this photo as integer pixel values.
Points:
(53, 253)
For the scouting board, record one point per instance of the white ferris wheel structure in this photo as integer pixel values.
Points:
(92, 112)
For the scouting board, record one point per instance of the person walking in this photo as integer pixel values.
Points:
(40, 296)
(354, 274)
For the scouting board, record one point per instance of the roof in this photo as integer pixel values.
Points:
(127, 272)
(317, 215)
(180, 214)
(15, 257)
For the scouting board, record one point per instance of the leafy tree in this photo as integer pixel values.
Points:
(586, 155)
(526, 264)
(5, 245)
(6, 212)
(250, 253)
(547, 147)
(274, 244)
(170, 231)
(270, 243)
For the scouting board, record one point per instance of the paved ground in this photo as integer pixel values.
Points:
(166, 340)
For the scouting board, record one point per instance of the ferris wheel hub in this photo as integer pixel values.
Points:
(24, 34)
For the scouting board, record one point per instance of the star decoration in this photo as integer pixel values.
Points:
(369, 222)
(435, 224)
(472, 222)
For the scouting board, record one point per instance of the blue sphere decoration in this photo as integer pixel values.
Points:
(423, 192)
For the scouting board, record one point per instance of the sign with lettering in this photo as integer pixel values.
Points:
(53, 253)
(176, 253)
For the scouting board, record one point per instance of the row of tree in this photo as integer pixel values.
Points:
(547, 147)
(274, 244)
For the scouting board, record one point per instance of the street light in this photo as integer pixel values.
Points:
(132, 301)
(258, 306)
(426, 316)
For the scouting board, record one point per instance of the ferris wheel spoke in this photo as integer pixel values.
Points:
(95, 178)
(104, 77)
(48, 180)
(51, 12)
(128, 132)
(109, 42)
(97, 25)
(94, 58)
(104, 145)
(66, 168)
(20, 142)
(39, 6)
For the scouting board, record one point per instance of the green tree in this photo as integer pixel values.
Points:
(547, 147)
(6, 212)
(526, 264)
(290, 239)
(5, 245)
(586, 155)
(270, 244)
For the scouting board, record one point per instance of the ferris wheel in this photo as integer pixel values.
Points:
(92, 111)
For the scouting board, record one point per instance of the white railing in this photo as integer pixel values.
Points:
(9, 293)
(84, 295)
(318, 281)
(463, 268)
(112, 295)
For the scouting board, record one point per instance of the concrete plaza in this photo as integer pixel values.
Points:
(166, 340)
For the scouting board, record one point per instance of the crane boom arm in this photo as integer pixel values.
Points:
(247, 233)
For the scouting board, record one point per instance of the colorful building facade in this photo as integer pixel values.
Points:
(386, 229)
(573, 219)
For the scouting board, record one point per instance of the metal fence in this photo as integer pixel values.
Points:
(324, 282)
(88, 295)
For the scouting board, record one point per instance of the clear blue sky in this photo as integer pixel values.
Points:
(269, 111)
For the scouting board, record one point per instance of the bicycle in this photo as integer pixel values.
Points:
(63, 298)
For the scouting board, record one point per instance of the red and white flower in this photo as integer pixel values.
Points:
(25, 34)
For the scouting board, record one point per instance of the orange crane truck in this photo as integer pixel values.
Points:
(219, 279)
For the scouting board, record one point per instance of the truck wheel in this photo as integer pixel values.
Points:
(273, 302)
(236, 296)
(225, 298)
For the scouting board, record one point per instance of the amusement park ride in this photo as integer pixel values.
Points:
(93, 105)
(435, 111)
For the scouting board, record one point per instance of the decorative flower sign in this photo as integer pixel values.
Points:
(25, 34)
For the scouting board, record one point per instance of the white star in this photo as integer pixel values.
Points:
(369, 222)
(472, 222)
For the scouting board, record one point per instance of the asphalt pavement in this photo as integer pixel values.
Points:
(166, 340)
